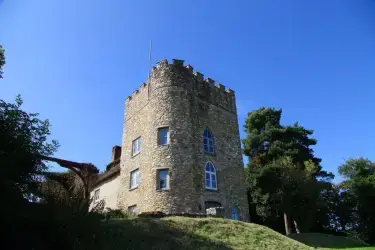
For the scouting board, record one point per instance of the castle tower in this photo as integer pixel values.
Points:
(181, 148)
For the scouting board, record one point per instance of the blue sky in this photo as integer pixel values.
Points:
(75, 62)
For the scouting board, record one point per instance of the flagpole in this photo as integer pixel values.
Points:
(149, 70)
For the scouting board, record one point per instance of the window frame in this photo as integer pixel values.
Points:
(211, 173)
(137, 178)
(138, 143)
(158, 171)
(159, 136)
(210, 138)
(96, 195)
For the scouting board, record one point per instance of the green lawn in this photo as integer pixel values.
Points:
(204, 233)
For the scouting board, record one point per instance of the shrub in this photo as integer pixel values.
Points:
(117, 214)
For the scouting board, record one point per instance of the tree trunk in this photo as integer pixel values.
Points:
(296, 226)
(286, 223)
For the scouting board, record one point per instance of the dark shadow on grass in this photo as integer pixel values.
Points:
(145, 233)
(327, 240)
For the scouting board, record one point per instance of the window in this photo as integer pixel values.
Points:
(208, 142)
(235, 213)
(133, 209)
(137, 146)
(96, 195)
(134, 178)
(210, 176)
(163, 136)
(163, 179)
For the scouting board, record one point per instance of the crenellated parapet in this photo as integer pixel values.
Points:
(177, 74)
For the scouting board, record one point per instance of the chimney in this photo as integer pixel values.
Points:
(116, 153)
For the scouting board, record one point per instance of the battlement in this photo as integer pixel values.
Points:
(178, 74)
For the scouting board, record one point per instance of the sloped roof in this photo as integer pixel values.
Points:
(112, 171)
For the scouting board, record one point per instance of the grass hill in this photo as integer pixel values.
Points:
(207, 233)
(193, 233)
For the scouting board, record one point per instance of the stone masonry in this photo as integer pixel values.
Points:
(178, 98)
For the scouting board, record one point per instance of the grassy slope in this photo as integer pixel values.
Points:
(187, 233)
(209, 233)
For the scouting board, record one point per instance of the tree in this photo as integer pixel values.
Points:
(358, 194)
(23, 138)
(282, 172)
(282, 189)
(2, 60)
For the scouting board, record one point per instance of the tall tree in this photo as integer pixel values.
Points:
(282, 171)
(23, 138)
(358, 193)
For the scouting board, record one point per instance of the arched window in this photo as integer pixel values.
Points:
(210, 172)
(235, 213)
(208, 141)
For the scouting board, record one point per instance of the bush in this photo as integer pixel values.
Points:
(117, 214)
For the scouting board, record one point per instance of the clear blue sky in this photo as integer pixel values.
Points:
(75, 62)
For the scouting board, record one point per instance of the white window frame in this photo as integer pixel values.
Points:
(159, 136)
(158, 179)
(136, 146)
(214, 173)
(131, 184)
(96, 195)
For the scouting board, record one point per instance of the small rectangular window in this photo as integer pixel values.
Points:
(133, 209)
(96, 195)
(163, 136)
(134, 178)
(163, 179)
(136, 146)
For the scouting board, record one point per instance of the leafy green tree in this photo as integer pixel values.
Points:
(268, 140)
(23, 138)
(282, 189)
(283, 171)
(358, 194)
(2, 60)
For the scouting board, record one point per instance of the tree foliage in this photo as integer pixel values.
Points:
(283, 171)
(23, 138)
(358, 196)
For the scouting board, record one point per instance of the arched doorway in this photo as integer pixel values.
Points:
(209, 204)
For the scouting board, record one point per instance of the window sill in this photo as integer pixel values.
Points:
(208, 153)
(162, 190)
(134, 155)
(212, 189)
(131, 189)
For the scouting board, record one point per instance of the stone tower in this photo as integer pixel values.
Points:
(181, 147)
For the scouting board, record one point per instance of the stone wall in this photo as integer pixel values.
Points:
(181, 99)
